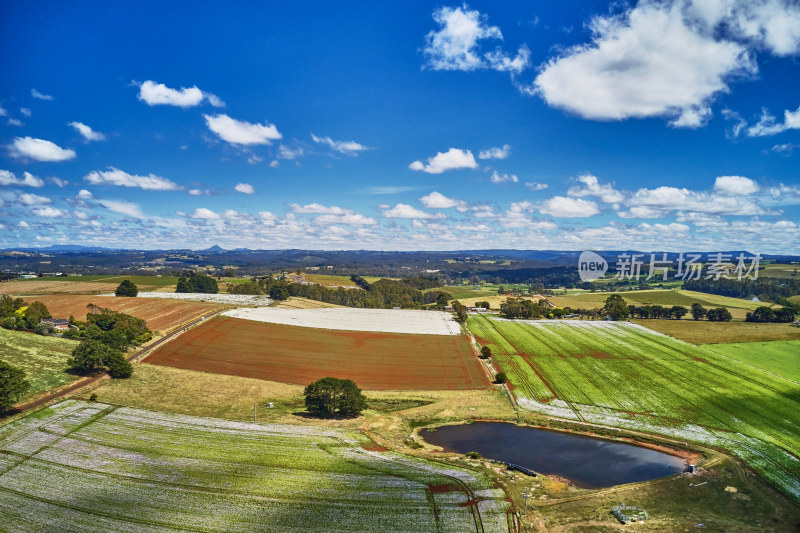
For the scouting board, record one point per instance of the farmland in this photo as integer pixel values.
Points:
(351, 319)
(705, 332)
(98, 467)
(225, 299)
(623, 375)
(300, 355)
(83, 284)
(295, 302)
(43, 359)
(160, 314)
(778, 357)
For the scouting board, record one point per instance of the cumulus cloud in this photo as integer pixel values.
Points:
(564, 207)
(153, 93)
(39, 96)
(83, 194)
(674, 199)
(241, 132)
(245, 188)
(88, 133)
(455, 46)
(767, 124)
(27, 179)
(407, 211)
(495, 153)
(204, 214)
(590, 186)
(535, 186)
(503, 178)
(58, 181)
(33, 199)
(454, 158)
(349, 218)
(15, 122)
(25, 111)
(287, 152)
(48, 212)
(437, 200)
(39, 149)
(3, 112)
(316, 209)
(115, 176)
(735, 185)
(344, 147)
(652, 60)
(126, 208)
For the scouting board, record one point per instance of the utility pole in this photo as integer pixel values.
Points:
(525, 499)
(254, 412)
(180, 314)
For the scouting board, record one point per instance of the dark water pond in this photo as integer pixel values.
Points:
(586, 461)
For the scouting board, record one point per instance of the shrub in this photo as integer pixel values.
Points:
(45, 328)
(486, 351)
(500, 377)
(127, 288)
(10, 322)
(473, 455)
(12, 385)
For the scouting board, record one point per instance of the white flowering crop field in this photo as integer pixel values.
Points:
(353, 319)
(230, 299)
(85, 467)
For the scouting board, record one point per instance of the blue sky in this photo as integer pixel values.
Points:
(403, 126)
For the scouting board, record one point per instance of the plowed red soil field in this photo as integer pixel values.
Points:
(298, 355)
(160, 314)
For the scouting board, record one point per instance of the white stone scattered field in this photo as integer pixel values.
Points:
(382, 320)
(232, 299)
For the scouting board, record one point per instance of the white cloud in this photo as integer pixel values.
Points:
(535, 186)
(199, 192)
(503, 178)
(153, 93)
(3, 112)
(39, 149)
(387, 189)
(33, 199)
(24, 225)
(768, 126)
(495, 152)
(254, 159)
(349, 218)
(316, 209)
(649, 61)
(674, 199)
(344, 147)
(25, 111)
(267, 218)
(642, 212)
(692, 117)
(125, 208)
(48, 212)
(15, 122)
(115, 176)
(245, 188)
(274, 163)
(88, 133)
(454, 158)
(83, 194)
(455, 46)
(785, 148)
(563, 207)
(36, 94)
(241, 132)
(436, 200)
(27, 180)
(735, 185)
(58, 181)
(204, 214)
(407, 211)
(591, 187)
(287, 152)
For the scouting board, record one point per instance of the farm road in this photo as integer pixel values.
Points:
(85, 382)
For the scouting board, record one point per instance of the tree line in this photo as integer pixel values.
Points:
(772, 289)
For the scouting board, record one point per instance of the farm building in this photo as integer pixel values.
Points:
(61, 324)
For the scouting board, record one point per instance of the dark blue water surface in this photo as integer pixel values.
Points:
(586, 461)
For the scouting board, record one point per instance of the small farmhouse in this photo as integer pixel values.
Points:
(60, 324)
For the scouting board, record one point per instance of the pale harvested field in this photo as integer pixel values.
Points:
(159, 314)
(304, 303)
(229, 299)
(349, 319)
(494, 301)
(55, 287)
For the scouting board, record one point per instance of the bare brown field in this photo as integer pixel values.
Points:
(303, 303)
(299, 355)
(705, 332)
(160, 314)
(57, 287)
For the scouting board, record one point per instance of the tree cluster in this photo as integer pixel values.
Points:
(93, 355)
(197, 283)
(721, 314)
(675, 312)
(763, 288)
(12, 385)
(127, 288)
(121, 330)
(525, 309)
(616, 308)
(334, 397)
(15, 314)
(483, 305)
(460, 311)
(765, 314)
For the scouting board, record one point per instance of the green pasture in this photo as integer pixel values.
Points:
(43, 359)
(778, 357)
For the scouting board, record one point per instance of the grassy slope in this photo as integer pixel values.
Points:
(779, 270)
(152, 281)
(779, 357)
(621, 375)
(705, 332)
(107, 468)
(42, 358)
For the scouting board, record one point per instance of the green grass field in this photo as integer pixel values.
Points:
(95, 467)
(153, 281)
(622, 375)
(459, 292)
(779, 270)
(42, 358)
(778, 357)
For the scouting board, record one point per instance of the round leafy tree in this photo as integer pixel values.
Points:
(127, 288)
(12, 385)
(500, 377)
(334, 397)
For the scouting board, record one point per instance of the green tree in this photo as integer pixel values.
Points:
(119, 367)
(90, 356)
(441, 300)
(35, 313)
(500, 377)
(486, 351)
(183, 285)
(10, 322)
(698, 311)
(334, 397)
(127, 288)
(616, 308)
(12, 385)
(678, 311)
(279, 292)
(719, 315)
